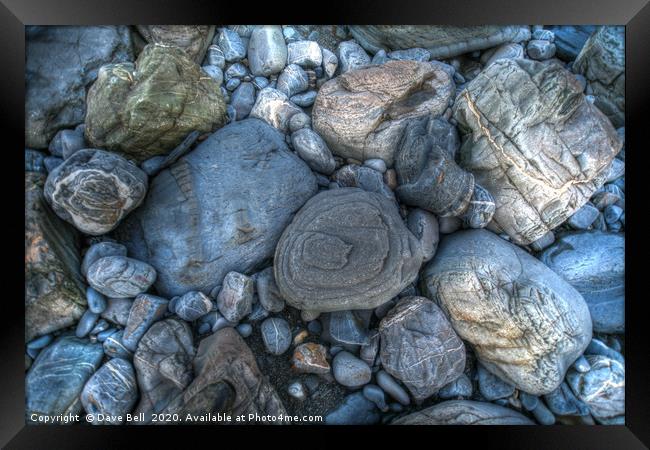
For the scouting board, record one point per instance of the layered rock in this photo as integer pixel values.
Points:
(194, 39)
(464, 412)
(361, 114)
(534, 142)
(526, 324)
(345, 249)
(147, 109)
(220, 208)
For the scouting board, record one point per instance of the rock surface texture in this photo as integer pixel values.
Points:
(525, 324)
(464, 412)
(194, 39)
(535, 143)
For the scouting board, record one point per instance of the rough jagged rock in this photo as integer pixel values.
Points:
(602, 62)
(94, 190)
(419, 347)
(594, 264)
(61, 62)
(464, 412)
(222, 358)
(361, 114)
(525, 323)
(111, 391)
(148, 109)
(54, 288)
(534, 142)
(220, 208)
(441, 41)
(163, 364)
(194, 39)
(345, 249)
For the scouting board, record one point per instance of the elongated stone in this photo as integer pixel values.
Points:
(236, 296)
(313, 150)
(120, 277)
(267, 291)
(146, 310)
(100, 250)
(267, 51)
(112, 391)
(276, 335)
(464, 412)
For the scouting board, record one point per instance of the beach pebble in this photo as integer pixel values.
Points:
(297, 390)
(231, 45)
(350, 371)
(304, 53)
(392, 388)
(235, 298)
(86, 323)
(376, 395)
(276, 335)
(192, 305)
(120, 277)
(310, 358)
(146, 310)
(96, 301)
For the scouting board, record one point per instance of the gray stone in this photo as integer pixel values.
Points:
(267, 51)
(274, 108)
(616, 170)
(231, 85)
(351, 56)
(40, 342)
(503, 51)
(193, 39)
(536, 181)
(544, 242)
(244, 329)
(117, 310)
(376, 164)
(299, 121)
(293, 80)
(525, 323)
(597, 347)
(345, 327)
(297, 390)
(120, 277)
(220, 208)
(362, 113)
(231, 45)
(192, 305)
(594, 264)
(349, 370)
(480, 210)
(94, 190)
(145, 311)
(101, 250)
(113, 347)
(267, 291)
(216, 57)
(304, 100)
(448, 225)
(66, 142)
(260, 82)
(411, 54)
(464, 412)
(491, 386)
(569, 40)
(564, 403)
(86, 323)
(543, 415)
(310, 358)
(365, 178)
(57, 376)
(304, 53)
(584, 217)
(582, 365)
(61, 62)
(540, 49)
(375, 394)
(276, 335)
(602, 388)
(313, 150)
(380, 57)
(330, 62)
(99, 327)
(236, 70)
(544, 35)
(243, 100)
(35, 162)
(460, 387)
(355, 410)
(392, 388)
(214, 72)
(529, 402)
(369, 351)
(111, 392)
(419, 347)
(612, 214)
(235, 298)
(342, 228)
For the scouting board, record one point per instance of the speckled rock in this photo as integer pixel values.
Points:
(304, 53)
(120, 277)
(351, 56)
(236, 296)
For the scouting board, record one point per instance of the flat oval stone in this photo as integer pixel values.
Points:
(146, 310)
(355, 410)
(192, 305)
(86, 323)
(121, 277)
(276, 335)
(235, 298)
(419, 347)
(392, 388)
(111, 391)
(525, 324)
(313, 150)
(94, 190)
(100, 250)
(338, 230)
(349, 370)
(375, 394)
(464, 412)
(267, 50)
(96, 301)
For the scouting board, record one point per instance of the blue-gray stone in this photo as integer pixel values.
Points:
(204, 328)
(232, 84)
(376, 164)
(121, 277)
(117, 310)
(392, 388)
(563, 402)
(113, 347)
(101, 250)
(376, 395)
(460, 387)
(615, 227)
(101, 325)
(192, 305)
(52, 162)
(616, 171)
(344, 327)
(242, 100)
(146, 310)
(237, 70)
(314, 327)
(35, 161)
(258, 313)
(543, 415)
(291, 34)
(40, 342)
(267, 50)
(491, 386)
(380, 57)
(594, 264)
(86, 323)
(365, 178)
(222, 322)
(96, 300)
(66, 142)
(260, 82)
(216, 57)
(214, 72)
(276, 335)
(543, 242)
(33, 352)
(231, 45)
(569, 40)
(355, 410)
(297, 390)
(597, 347)
(293, 80)
(304, 100)
(396, 407)
(267, 291)
(544, 35)
(330, 62)
(351, 56)
(335, 350)
(612, 214)
(411, 54)
(245, 329)
(350, 371)
(582, 365)
(110, 392)
(540, 49)
(102, 336)
(528, 401)
(583, 217)
(304, 53)
(171, 306)
(313, 150)
(58, 375)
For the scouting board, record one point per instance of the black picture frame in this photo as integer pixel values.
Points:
(15, 14)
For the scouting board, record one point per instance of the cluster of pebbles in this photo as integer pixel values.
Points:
(372, 224)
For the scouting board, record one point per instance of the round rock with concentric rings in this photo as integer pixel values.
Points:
(345, 249)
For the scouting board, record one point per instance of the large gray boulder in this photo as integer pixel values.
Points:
(464, 412)
(345, 249)
(362, 113)
(594, 264)
(61, 62)
(535, 143)
(220, 208)
(525, 323)
(441, 41)
(194, 39)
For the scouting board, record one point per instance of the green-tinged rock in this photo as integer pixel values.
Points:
(194, 39)
(148, 109)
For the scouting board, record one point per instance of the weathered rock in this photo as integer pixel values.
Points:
(427, 174)
(228, 380)
(267, 51)
(243, 100)
(540, 49)
(330, 62)
(460, 387)
(98, 251)
(584, 217)
(602, 388)
(61, 61)
(594, 264)
(349, 370)
(526, 324)
(274, 108)
(299, 121)
(503, 51)
(236, 296)
(58, 375)
(231, 44)
(365, 178)
(192, 305)
(163, 364)
(341, 229)
(346, 328)
(411, 54)
(597, 347)
(304, 53)
(146, 310)
(441, 41)
(112, 392)
(543, 242)
(310, 358)
(267, 291)
(569, 40)
(120, 277)
(216, 57)
(54, 288)
(564, 403)
(527, 147)
(464, 412)
(602, 62)
(313, 150)
(117, 310)
(94, 190)
(491, 386)
(276, 335)
(220, 208)
(419, 347)
(147, 109)
(355, 410)
(480, 209)
(361, 114)
(113, 347)
(67, 142)
(194, 39)
(351, 56)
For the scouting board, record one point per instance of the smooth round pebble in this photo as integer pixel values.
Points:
(86, 323)
(40, 342)
(297, 390)
(376, 395)
(244, 329)
(392, 388)
(350, 371)
(96, 300)
(276, 335)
